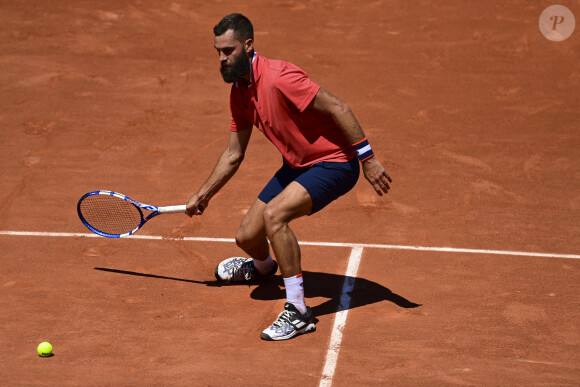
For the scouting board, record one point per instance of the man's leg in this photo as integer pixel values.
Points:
(292, 203)
(265, 222)
(296, 318)
(251, 237)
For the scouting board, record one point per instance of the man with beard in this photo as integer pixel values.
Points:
(321, 143)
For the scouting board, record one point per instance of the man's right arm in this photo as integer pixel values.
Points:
(225, 168)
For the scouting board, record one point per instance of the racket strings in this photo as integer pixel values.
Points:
(110, 214)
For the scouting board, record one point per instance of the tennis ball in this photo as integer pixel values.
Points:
(44, 349)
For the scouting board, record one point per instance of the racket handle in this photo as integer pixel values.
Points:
(172, 209)
(175, 209)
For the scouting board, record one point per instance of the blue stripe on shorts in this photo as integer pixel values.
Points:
(324, 181)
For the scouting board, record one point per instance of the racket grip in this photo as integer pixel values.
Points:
(175, 209)
(172, 209)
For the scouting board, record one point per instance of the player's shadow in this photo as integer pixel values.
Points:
(317, 284)
(330, 286)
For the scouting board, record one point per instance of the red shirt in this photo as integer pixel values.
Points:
(275, 102)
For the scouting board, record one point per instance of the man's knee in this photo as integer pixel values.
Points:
(251, 230)
(245, 238)
(272, 220)
(250, 234)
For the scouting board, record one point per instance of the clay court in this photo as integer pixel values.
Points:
(466, 273)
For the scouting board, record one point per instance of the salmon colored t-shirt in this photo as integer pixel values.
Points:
(276, 103)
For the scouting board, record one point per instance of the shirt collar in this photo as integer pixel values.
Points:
(236, 84)
(252, 67)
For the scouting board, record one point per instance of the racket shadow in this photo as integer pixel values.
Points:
(137, 274)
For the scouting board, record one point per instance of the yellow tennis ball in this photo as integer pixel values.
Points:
(44, 349)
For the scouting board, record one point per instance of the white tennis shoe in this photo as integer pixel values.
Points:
(290, 323)
(238, 269)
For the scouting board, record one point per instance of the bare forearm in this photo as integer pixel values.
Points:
(349, 125)
(225, 168)
(326, 103)
(223, 171)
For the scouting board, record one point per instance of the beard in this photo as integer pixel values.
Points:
(233, 72)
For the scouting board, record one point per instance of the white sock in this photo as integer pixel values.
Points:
(295, 292)
(265, 266)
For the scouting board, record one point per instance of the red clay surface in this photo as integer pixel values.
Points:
(472, 111)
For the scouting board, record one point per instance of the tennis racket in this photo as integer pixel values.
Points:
(114, 215)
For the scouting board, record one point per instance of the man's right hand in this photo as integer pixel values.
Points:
(195, 206)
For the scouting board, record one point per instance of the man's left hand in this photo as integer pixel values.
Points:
(375, 173)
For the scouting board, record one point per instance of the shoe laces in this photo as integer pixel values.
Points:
(245, 271)
(283, 318)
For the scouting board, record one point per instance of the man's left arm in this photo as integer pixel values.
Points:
(373, 170)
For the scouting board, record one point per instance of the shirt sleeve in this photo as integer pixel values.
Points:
(296, 87)
(239, 119)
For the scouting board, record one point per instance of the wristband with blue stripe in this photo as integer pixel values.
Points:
(363, 149)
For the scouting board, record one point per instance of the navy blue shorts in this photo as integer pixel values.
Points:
(324, 181)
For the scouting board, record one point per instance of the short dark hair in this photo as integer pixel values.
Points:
(241, 25)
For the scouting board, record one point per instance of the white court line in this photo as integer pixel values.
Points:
(340, 317)
(327, 244)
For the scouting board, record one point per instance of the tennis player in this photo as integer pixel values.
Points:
(321, 143)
